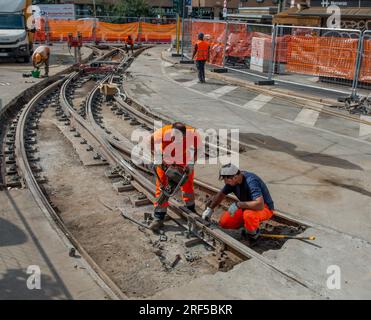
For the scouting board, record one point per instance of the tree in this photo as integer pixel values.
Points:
(133, 8)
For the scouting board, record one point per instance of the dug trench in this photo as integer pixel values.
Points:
(134, 258)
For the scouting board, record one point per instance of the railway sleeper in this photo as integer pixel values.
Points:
(122, 186)
(139, 200)
(35, 168)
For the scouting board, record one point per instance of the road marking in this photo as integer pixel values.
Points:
(364, 129)
(190, 83)
(221, 91)
(258, 102)
(307, 116)
(174, 74)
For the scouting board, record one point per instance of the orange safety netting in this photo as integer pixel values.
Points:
(322, 56)
(157, 32)
(116, 32)
(365, 72)
(215, 32)
(59, 29)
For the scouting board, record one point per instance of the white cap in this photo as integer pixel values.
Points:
(228, 170)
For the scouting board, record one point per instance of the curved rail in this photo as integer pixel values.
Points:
(42, 201)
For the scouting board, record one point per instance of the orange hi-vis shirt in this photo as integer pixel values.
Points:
(174, 147)
(202, 52)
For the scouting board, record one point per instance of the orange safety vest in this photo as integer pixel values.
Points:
(181, 153)
(202, 52)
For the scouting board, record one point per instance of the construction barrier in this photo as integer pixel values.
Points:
(215, 33)
(322, 56)
(109, 32)
(305, 55)
(157, 33)
(365, 68)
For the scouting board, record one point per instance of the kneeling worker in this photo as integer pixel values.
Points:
(255, 203)
(41, 56)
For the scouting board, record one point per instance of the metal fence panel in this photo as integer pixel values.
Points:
(317, 57)
(248, 48)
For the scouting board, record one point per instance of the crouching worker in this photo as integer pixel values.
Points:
(254, 206)
(41, 57)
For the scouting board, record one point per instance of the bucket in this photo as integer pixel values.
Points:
(35, 73)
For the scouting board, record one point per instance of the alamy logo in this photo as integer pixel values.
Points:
(334, 280)
(334, 21)
(34, 280)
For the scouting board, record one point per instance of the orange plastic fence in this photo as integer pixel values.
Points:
(365, 72)
(157, 32)
(322, 56)
(116, 32)
(59, 29)
(216, 33)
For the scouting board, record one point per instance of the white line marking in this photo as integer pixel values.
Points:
(174, 74)
(364, 129)
(258, 102)
(190, 83)
(307, 116)
(221, 91)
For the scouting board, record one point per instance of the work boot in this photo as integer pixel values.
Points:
(251, 237)
(156, 225)
(192, 208)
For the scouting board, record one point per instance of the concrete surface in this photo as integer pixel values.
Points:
(317, 170)
(28, 239)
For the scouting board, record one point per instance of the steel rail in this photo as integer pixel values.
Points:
(42, 201)
(205, 232)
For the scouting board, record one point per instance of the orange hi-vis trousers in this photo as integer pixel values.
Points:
(250, 219)
(187, 190)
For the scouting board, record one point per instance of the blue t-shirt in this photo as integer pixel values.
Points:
(251, 188)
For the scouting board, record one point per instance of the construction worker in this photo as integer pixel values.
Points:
(254, 206)
(129, 44)
(41, 56)
(201, 54)
(176, 145)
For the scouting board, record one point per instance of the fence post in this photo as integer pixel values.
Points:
(272, 63)
(358, 65)
(47, 39)
(95, 31)
(182, 58)
(225, 41)
(140, 31)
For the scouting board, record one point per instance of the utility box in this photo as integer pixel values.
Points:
(260, 54)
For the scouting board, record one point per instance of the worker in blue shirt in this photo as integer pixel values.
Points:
(254, 206)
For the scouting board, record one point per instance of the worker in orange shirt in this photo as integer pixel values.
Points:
(129, 44)
(41, 57)
(201, 54)
(175, 146)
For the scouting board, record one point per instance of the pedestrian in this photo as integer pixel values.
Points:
(177, 145)
(254, 206)
(129, 44)
(201, 54)
(41, 57)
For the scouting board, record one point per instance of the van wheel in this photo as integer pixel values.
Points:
(27, 59)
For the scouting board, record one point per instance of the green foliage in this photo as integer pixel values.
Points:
(133, 8)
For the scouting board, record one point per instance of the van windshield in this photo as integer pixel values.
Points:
(11, 21)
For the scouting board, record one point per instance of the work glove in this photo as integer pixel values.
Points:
(206, 215)
(232, 209)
